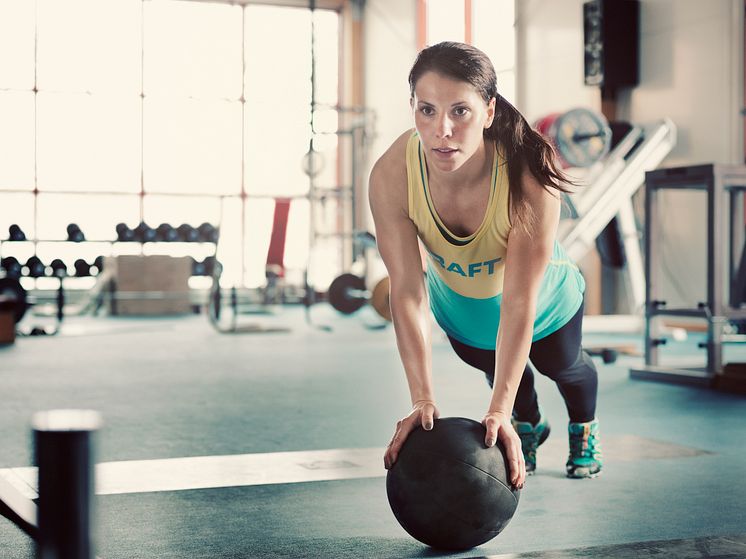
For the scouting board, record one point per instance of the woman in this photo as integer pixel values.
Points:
(480, 189)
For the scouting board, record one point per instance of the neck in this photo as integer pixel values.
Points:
(471, 174)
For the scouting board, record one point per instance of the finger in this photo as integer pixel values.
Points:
(427, 419)
(402, 432)
(517, 464)
(388, 455)
(490, 437)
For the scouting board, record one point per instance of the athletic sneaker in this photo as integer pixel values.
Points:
(585, 450)
(531, 437)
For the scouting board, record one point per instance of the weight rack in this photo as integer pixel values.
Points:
(725, 186)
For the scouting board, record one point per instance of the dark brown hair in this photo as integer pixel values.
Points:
(521, 145)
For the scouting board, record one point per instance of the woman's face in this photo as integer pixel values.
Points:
(450, 117)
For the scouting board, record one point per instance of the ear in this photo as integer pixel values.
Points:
(490, 113)
(411, 102)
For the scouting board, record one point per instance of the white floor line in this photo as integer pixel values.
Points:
(209, 472)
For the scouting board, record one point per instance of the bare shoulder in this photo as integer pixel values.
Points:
(388, 177)
(535, 192)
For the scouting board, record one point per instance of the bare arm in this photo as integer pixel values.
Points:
(525, 264)
(526, 261)
(397, 243)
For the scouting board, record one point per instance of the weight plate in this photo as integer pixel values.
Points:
(13, 289)
(582, 137)
(339, 295)
(380, 299)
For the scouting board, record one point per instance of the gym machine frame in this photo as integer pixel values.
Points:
(611, 185)
(725, 186)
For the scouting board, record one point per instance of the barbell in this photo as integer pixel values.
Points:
(348, 294)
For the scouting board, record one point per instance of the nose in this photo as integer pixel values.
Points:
(445, 126)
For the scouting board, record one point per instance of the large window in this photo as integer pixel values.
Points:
(486, 24)
(163, 111)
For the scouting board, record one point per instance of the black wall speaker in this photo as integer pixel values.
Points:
(611, 32)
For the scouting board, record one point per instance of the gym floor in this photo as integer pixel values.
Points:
(280, 440)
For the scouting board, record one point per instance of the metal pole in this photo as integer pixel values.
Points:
(63, 451)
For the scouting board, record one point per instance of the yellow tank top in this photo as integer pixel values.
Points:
(465, 274)
(472, 266)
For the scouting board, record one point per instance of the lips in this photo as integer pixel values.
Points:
(444, 152)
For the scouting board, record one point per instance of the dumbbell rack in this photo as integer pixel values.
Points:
(60, 291)
(725, 188)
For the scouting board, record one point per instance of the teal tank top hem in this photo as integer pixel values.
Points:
(474, 322)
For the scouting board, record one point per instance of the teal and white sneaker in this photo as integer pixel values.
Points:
(585, 450)
(531, 437)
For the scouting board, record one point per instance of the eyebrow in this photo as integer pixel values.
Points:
(452, 104)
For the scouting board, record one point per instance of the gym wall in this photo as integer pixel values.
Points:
(691, 59)
(390, 49)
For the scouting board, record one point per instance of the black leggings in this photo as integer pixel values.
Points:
(560, 357)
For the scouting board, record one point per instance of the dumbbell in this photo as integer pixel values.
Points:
(209, 264)
(11, 266)
(36, 268)
(208, 233)
(204, 268)
(124, 233)
(187, 233)
(82, 268)
(198, 268)
(59, 268)
(144, 233)
(74, 234)
(166, 232)
(15, 233)
(99, 263)
(347, 294)
(13, 296)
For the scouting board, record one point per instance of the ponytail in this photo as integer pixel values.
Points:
(523, 147)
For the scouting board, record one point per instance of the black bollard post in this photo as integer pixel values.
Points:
(63, 451)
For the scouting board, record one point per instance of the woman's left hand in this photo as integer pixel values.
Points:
(498, 427)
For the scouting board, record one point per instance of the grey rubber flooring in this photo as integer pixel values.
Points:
(672, 486)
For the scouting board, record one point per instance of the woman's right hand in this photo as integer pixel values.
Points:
(424, 413)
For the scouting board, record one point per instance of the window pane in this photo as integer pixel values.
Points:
(193, 49)
(259, 219)
(296, 247)
(325, 163)
(326, 26)
(97, 215)
(231, 244)
(493, 31)
(88, 142)
(193, 146)
(17, 37)
(446, 21)
(89, 45)
(16, 140)
(278, 95)
(18, 209)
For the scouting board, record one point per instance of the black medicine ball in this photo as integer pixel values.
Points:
(447, 489)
